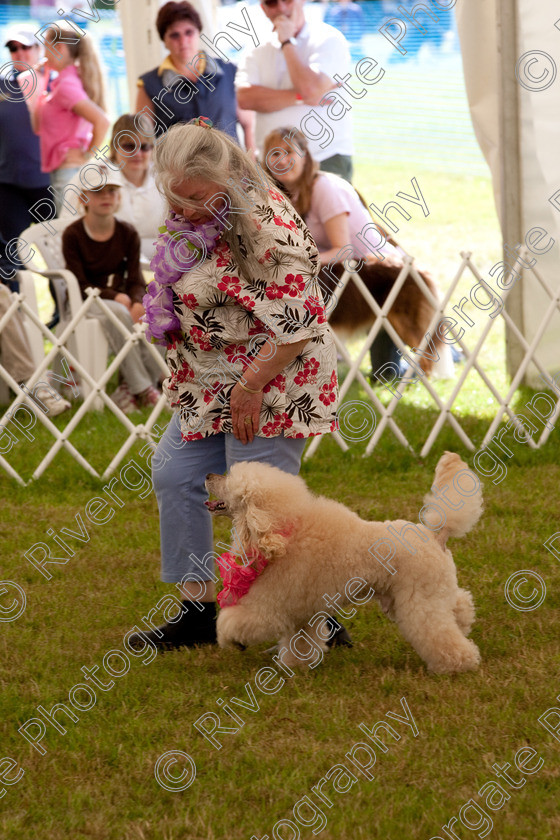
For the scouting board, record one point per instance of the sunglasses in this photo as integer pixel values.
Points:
(271, 3)
(131, 147)
(15, 47)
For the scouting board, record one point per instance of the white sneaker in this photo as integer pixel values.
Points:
(124, 399)
(52, 405)
(65, 389)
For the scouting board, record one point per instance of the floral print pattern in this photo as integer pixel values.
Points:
(225, 317)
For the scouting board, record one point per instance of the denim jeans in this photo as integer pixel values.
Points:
(179, 471)
(59, 179)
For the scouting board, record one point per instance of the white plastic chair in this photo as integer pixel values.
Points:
(40, 250)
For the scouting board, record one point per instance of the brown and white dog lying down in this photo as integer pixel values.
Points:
(410, 314)
(314, 546)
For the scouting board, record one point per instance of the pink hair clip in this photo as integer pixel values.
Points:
(203, 122)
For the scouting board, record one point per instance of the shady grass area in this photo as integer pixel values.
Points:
(96, 781)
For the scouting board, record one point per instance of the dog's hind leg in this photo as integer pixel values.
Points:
(306, 646)
(435, 635)
(464, 611)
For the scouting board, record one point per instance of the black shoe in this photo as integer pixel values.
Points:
(340, 637)
(194, 627)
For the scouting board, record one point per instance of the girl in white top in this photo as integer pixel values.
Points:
(332, 210)
(141, 203)
(330, 206)
(335, 215)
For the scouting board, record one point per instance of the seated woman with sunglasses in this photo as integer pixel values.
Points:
(141, 204)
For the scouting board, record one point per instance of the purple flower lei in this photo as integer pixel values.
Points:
(180, 246)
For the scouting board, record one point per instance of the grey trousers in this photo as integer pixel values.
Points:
(139, 369)
(15, 351)
(338, 165)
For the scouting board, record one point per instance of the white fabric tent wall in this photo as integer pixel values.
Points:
(518, 129)
(476, 22)
(514, 107)
(540, 160)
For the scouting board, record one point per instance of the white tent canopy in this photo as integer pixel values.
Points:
(511, 49)
(510, 52)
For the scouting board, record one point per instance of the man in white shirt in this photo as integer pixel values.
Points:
(287, 79)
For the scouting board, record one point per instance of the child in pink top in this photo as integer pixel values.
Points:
(70, 119)
(62, 128)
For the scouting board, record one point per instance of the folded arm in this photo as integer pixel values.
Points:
(264, 99)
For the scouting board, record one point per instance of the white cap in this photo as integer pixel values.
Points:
(95, 175)
(23, 35)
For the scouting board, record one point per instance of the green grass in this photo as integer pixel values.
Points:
(461, 214)
(96, 782)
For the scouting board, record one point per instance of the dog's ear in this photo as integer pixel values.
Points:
(256, 528)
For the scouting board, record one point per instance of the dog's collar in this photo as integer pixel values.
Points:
(237, 580)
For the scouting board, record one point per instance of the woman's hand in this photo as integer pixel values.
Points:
(124, 299)
(136, 311)
(97, 117)
(33, 84)
(244, 406)
(76, 157)
(389, 260)
(269, 361)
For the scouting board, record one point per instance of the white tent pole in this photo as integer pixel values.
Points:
(511, 198)
(142, 47)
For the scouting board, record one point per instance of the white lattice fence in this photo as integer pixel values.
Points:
(23, 408)
(384, 414)
(24, 404)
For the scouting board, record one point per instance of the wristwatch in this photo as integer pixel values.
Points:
(289, 41)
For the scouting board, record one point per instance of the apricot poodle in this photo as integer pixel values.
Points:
(313, 546)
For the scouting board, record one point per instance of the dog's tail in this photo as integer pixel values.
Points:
(454, 505)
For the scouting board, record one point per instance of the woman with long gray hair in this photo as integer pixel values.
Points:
(252, 361)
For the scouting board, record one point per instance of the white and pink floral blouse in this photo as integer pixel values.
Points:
(225, 317)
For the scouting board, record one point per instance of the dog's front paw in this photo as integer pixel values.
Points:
(244, 625)
(227, 629)
(455, 659)
(386, 603)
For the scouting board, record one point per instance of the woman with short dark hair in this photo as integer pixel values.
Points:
(172, 12)
(189, 82)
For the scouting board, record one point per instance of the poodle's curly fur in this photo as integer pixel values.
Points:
(316, 545)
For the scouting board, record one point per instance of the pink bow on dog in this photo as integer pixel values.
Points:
(237, 579)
